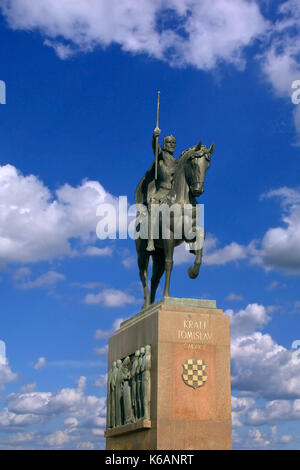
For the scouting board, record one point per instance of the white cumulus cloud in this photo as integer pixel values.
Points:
(110, 298)
(280, 246)
(259, 364)
(40, 364)
(186, 32)
(37, 225)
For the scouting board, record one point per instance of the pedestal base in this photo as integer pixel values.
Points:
(190, 376)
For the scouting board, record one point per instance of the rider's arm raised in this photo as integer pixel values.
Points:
(155, 137)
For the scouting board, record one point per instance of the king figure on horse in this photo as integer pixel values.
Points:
(170, 182)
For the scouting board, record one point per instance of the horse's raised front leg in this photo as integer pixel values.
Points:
(169, 250)
(194, 270)
(143, 262)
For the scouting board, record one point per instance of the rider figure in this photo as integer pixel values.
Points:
(165, 172)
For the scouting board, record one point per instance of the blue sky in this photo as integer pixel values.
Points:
(76, 130)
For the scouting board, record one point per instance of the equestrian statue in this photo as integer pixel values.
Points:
(169, 188)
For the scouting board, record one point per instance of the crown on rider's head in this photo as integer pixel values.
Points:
(170, 137)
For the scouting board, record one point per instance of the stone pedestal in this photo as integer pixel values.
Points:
(190, 377)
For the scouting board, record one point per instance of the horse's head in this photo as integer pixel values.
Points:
(197, 163)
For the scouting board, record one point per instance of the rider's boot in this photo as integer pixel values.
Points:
(150, 245)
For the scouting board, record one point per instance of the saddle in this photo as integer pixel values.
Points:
(148, 192)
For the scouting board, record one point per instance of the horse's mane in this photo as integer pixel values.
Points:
(181, 160)
(141, 193)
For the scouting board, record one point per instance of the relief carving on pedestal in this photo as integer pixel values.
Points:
(129, 389)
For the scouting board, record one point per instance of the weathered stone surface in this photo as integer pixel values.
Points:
(128, 428)
(182, 417)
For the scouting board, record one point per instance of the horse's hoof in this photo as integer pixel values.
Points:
(145, 306)
(193, 273)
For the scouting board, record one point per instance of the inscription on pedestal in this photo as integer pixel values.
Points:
(194, 330)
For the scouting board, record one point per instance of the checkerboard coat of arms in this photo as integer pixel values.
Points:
(194, 372)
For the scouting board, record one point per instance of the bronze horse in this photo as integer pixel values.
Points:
(188, 183)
